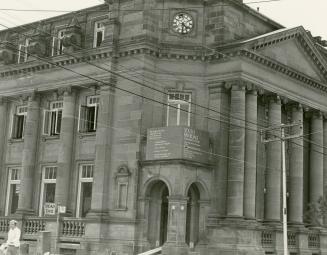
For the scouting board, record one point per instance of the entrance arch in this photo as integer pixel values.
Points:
(157, 194)
(193, 215)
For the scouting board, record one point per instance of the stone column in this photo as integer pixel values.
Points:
(296, 169)
(274, 164)
(250, 154)
(316, 158)
(100, 196)
(66, 148)
(219, 102)
(236, 152)
(25, 203)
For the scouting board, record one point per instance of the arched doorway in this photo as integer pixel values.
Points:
(158, 213)
(192, 216)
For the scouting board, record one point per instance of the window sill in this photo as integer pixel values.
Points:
(16, 140)
(49, 137)
(86, 134)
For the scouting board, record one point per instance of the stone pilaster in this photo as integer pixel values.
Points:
(3, 122)
(236, 152)
(99, 203)
(274, 164)
(66, 148)
(316, 158)
(25, 203)
(250, 154)
(296, 169)
(176, 229)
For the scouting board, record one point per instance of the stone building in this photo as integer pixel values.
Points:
(141, 120)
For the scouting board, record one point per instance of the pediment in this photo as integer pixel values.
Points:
(292, 54)
(294, 48)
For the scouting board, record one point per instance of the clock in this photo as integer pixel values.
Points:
(183, 23)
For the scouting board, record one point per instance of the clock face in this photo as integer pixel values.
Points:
(183, 23)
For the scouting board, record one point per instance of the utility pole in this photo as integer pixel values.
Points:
(282, 138)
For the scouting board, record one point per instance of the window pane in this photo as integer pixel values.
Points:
(14, 196)
(99, 38)
(172, 114)
(49, 192)
(86, 196)
(91, 118)
(184, 114)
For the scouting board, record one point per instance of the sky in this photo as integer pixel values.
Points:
(289, 13)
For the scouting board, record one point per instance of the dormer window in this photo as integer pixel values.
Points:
(57, 43)
(98, 34)
(22, 51)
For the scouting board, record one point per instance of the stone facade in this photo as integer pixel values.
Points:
(79, 93)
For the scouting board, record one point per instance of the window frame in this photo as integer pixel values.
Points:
(45, 181)
(57, 47)
(56, 109)
(10, 182)
(14, 122)
(84, 112)
(82, 180)
(179, 102)
(23, 49)
(95, 33)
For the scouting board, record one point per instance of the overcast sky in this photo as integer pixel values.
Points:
(290, 13)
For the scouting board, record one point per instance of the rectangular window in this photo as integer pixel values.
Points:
(12, 190)
(48, 186)
(22, 51)
(18, 123)
(179, 109)
(84, 195)
(98, 34)
(57, 43)
(88, 115)
(52, 119)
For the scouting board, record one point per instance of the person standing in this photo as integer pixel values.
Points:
(13, 238)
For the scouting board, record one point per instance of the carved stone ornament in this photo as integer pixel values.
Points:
(38, 42)
(73, 36)
(122, 171)
(6, 50)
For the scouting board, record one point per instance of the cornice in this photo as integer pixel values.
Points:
(281, 68)
(300, 34)
(105, 53)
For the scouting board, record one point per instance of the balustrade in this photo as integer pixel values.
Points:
(33, 226)
(313, 241)
(268, 239)
(73, 228)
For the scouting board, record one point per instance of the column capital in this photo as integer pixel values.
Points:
(66, 91)
(274, 99)
(235, 85)
(294, 106)
(3, 100)
(317, 114)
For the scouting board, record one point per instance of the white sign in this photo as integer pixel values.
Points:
(61, 209)
(49, 209)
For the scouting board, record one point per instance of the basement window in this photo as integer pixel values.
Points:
(88, 115)
(52, 119)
